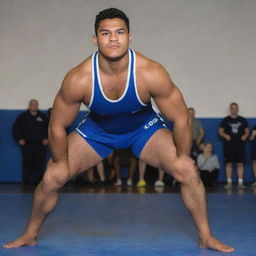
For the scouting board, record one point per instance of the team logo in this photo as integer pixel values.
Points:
(150, 123)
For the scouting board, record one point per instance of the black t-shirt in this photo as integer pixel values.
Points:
(234, 127)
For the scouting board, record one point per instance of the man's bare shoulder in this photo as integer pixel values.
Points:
(152, 73)
(77, 82)
(80, 74)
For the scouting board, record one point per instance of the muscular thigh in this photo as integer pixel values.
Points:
(81, 155)
(160, 150)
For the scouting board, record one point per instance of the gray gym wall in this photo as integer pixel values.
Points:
(208, 47)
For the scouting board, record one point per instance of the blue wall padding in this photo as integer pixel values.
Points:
(10, 158)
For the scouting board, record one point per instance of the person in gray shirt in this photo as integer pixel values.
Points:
(197, 133)
(208, 165)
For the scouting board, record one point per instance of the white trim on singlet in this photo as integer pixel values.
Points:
(92, 96)
(81, 133)
(127, 81)
(135, 80)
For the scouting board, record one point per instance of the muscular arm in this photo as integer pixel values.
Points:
(170, 102)
(65, 108)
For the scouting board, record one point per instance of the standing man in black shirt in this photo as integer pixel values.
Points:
(234, 130)
(30, 130)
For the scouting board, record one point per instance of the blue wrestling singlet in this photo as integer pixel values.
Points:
(122, 123)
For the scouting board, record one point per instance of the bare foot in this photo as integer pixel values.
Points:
(214, 244)
(21, 241)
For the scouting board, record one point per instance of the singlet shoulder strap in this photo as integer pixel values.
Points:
(134, 77)
(93, 76)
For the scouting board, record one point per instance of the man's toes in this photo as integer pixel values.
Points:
(8, 245)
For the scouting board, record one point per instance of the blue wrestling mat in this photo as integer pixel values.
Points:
(129, 225)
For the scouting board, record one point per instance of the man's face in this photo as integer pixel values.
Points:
(191, 112)
(208, 147)
(112, 38)
(234, 110)
(33, 106)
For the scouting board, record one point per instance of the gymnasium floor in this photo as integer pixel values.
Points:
(128, 221)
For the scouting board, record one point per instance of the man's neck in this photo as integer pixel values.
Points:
(33, 113)
(113, 67)
(207, 154)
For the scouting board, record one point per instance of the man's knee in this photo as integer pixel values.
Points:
(240, 165)
(186, 172)
(229, 164)
(54, 179)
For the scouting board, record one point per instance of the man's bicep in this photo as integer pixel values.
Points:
(172, 104)
(64, 110)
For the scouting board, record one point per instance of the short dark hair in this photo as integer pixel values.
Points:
(233, 104)
(33, 100)
(110, 13)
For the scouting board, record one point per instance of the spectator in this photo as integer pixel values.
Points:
(100, 170)
(124, 158)
(49, 112)
(234, 130)
(111, 173)
(253, 140)
(30, 130)
(197, 134)
(208, 165)
(142, 182)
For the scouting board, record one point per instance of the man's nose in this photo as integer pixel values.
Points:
(113, 36)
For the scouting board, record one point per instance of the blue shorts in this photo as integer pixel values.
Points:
(105, 142)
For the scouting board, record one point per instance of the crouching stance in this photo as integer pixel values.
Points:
(117, 85)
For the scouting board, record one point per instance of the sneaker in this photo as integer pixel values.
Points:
(141, 183)
(118, 183)
(254, 184)
(129, 182)
(228, 186)
(240, 186)
(159, 183)
(100, 183)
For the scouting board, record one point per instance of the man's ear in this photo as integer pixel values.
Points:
(130, 38)
(95, 41)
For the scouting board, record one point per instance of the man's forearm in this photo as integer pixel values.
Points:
(58, 144)
(223, 134)
(200, 138)
(182, 134)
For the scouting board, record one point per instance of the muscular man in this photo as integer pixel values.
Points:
(117, 84)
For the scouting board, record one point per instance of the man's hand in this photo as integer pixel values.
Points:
(227, 137)
(243, 138)
(45, 142)
(22, 142)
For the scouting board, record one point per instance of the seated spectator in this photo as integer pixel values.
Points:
(142, 182)
(208, 165)
(124, 158)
